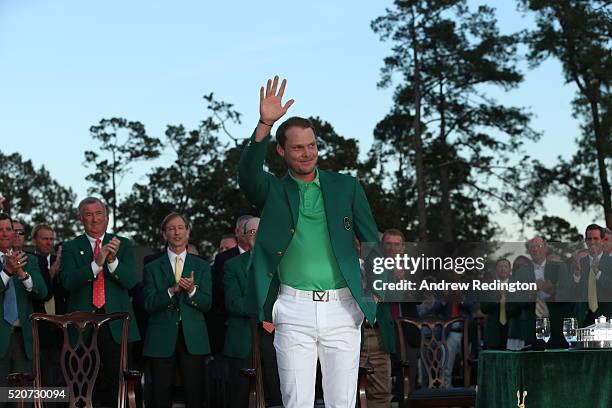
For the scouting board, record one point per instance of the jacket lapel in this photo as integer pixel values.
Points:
(85, 248)
(327, 191)
(167, 269)
(187, 269)
(107, 238)
(293, 196)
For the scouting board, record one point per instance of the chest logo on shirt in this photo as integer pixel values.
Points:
(347, 223)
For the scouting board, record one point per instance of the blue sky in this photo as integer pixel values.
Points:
(66, 64)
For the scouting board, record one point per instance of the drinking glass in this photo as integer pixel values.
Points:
(543, 328)
(570, 325)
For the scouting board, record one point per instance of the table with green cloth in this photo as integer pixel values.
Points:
(552, 378)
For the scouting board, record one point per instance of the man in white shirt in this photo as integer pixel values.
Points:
(594, 277)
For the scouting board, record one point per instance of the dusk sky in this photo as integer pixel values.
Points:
(64, 65)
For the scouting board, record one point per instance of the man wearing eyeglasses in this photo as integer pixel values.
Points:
(238, 340)
(304, 272)
(19, 236)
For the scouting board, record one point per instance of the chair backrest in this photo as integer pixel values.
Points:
(434, 349)
(80, 358)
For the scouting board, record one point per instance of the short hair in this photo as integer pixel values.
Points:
(607, 231)
(172, 216)
(39, 227)
(228, 236)
(244, 230)
(242, 220)
(16, 221)
(394, 231)
(594, 227)
(92, 200)
(281, 132)
(503, 260)
(4, 217)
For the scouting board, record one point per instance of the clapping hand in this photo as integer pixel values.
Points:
(187, 283)
(15, 263)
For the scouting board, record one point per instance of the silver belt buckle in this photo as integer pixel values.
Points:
(320, 296)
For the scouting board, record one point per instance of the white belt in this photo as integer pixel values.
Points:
(316, 295)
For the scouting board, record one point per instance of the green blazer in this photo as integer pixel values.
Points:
(347, 211)
(238, 337)
(165, 312)
(76, 276)
(386, 326)
(24, 307)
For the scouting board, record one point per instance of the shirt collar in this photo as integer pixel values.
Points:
(540, 266)
(172, 256)
(92, 241)
(302, 183)
(598, 257)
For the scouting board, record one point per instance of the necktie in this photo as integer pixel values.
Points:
(178, 268)
(541, 308)
(10, 299)
(98, 284)
(395, 310)
(454, 309)
(503, 320)
(592, 294)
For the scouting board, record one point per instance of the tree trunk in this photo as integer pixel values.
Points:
(418, 143)
(600, 146)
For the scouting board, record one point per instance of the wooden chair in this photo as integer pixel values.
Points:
(80, 362)
(433, 354)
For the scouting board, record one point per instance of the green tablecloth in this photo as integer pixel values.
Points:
(554, 378)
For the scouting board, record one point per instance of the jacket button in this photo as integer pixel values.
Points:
(291, 231)
(270, 274)
(279, 253)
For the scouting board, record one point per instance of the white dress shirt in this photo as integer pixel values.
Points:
(94, 266)
(172, 256)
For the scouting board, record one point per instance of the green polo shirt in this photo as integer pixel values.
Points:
(309, 262)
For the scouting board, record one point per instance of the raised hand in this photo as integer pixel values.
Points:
(271, 108)
(55, 266)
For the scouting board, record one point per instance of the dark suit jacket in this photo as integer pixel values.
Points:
(54, 288)
(604, 288)
(50, 334)
(217, 317)
(521, 308)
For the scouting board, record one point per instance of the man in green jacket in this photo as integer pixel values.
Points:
(305, 248)
(97, 270)
(177, 292)
(239, 339)
(20, 282)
